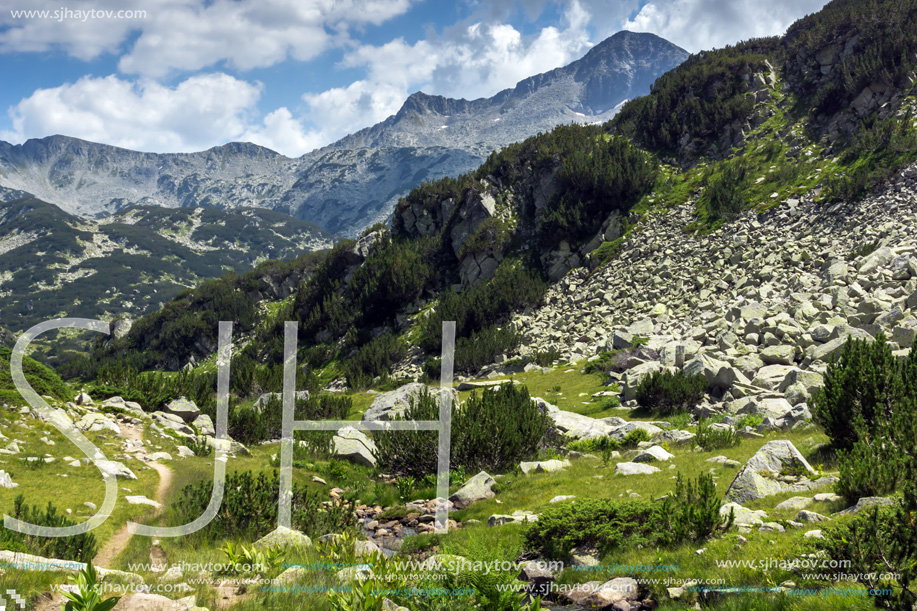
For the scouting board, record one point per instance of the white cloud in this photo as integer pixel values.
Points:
(70, 28)
(476, 57)
(467, 61)
(706, 24)
(198, 113)
(195, 34)
(281, 132)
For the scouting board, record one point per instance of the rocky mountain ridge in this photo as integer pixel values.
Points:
(352, 183)
(588, 90)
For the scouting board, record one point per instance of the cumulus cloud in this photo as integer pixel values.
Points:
(468, 60)
(706, 24)
(74, 28)
(282, 132)
(194, 34)
(488, 50)
(199, 112)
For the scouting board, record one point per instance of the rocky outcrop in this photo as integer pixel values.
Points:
(184, 409)
(392, 404)
(355, 446)
(284, 537)
(475, 489)
(776, 468)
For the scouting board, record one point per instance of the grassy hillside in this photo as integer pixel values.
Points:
(43, 379)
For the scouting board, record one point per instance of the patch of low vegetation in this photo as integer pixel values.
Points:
(249, 508)
(42, 379)
(690, 513)
(666, 393)
(710, 438)
(493, 431)
(80, 548)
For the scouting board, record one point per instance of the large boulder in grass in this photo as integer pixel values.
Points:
(184, 408)
(776, 468)
(116, 469)
(634, 468)
(6, 481)
(284, 537)
(617, 593)
(355, 446)
(475, 489)
(653, 454)
(574, 425)
(389, 405)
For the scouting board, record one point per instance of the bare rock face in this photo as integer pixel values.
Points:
(183, 408)
(476, 208)
(475, 489)
(394, 403)
(776, 468)
(354, 445)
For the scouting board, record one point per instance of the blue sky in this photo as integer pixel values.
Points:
(293, 75)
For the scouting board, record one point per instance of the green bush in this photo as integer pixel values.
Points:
(497, 429)
(251, 425)
(100, 392)
(634, 438)
(606, 524)
(708, 438)
(375, 359)
(493, 430)
(249, 509)
(666, 392)
(80, 548)
(877, 542)
(483, 347)
(601, 175)
(859, 386)
(43, 379)
(881, 454)
(752, 420)
(511, 287)
(153, 390)
(690, 513)
(546, 358)
(880, 541)
(723, 188)
(693, 511)
(864, 472)
(199, 446)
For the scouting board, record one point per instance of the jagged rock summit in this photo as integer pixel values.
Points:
(352, 183)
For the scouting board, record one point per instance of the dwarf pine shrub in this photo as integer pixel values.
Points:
(80, 548)
(708, 438)
(692, 512)
(666, 392)
(249, 508)
(860, 386)
(493, 430)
